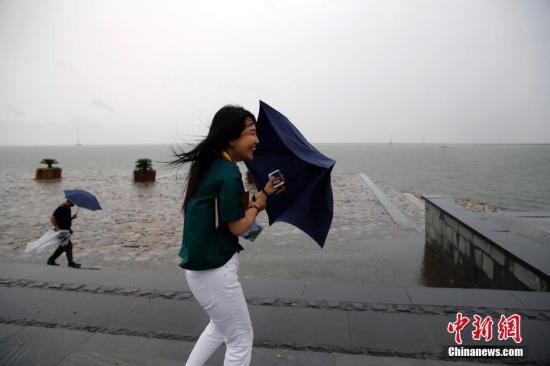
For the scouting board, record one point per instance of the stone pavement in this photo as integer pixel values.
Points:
(61, 316)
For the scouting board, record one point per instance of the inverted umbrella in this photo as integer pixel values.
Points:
(307, 201)
(82, 199)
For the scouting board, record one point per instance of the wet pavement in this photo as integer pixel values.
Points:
(61, 316)
(140, 228)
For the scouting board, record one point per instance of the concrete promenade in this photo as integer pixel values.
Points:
(61, 316)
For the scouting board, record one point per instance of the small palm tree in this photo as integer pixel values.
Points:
(144, 172)
(49, 162)
(144, 164)
(49, 172)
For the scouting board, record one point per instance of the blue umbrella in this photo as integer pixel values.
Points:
(82, 199)
(307, 201)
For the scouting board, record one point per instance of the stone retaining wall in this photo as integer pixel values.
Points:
(483, 262)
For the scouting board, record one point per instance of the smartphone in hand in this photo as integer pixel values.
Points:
(277, 177)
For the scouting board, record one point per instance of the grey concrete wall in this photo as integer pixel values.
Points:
(483, 261)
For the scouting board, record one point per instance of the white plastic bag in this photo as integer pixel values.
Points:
(50, 238)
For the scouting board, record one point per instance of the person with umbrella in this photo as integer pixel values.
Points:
(216, 214)
(62, 218)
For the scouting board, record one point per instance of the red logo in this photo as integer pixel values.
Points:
(508, 327)
(457, 326)
(482, 328)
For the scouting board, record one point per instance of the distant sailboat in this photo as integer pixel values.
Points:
(391, 141)
(78, 138)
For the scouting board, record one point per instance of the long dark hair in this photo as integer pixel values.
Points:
(227, 125)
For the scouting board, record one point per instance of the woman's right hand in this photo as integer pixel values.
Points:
(269, 189)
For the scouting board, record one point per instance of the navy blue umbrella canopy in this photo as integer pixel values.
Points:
(82, 199)
(307, 201)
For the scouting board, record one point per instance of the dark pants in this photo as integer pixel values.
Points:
(68, 249)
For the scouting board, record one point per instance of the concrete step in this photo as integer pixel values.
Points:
(386, 334)
(51, 346)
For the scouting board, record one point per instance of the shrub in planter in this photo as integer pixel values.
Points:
(144, 172)
(49, 172)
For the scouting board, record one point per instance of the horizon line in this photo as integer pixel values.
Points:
(313, 142)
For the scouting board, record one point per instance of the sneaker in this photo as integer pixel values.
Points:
(52, 263)
(74, 265)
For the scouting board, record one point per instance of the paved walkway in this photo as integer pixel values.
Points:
(61, 316)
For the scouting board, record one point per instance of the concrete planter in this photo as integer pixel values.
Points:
(48, 173)
(144, 176)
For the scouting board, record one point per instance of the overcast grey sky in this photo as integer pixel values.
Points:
(132, 71)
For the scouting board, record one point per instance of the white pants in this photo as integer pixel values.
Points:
(219, 292)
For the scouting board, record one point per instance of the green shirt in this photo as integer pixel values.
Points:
(203, 246)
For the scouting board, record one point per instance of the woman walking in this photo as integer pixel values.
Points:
(215, 216)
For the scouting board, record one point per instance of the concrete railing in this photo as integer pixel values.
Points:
(488, 255)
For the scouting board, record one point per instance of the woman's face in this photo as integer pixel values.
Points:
(242, 149)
